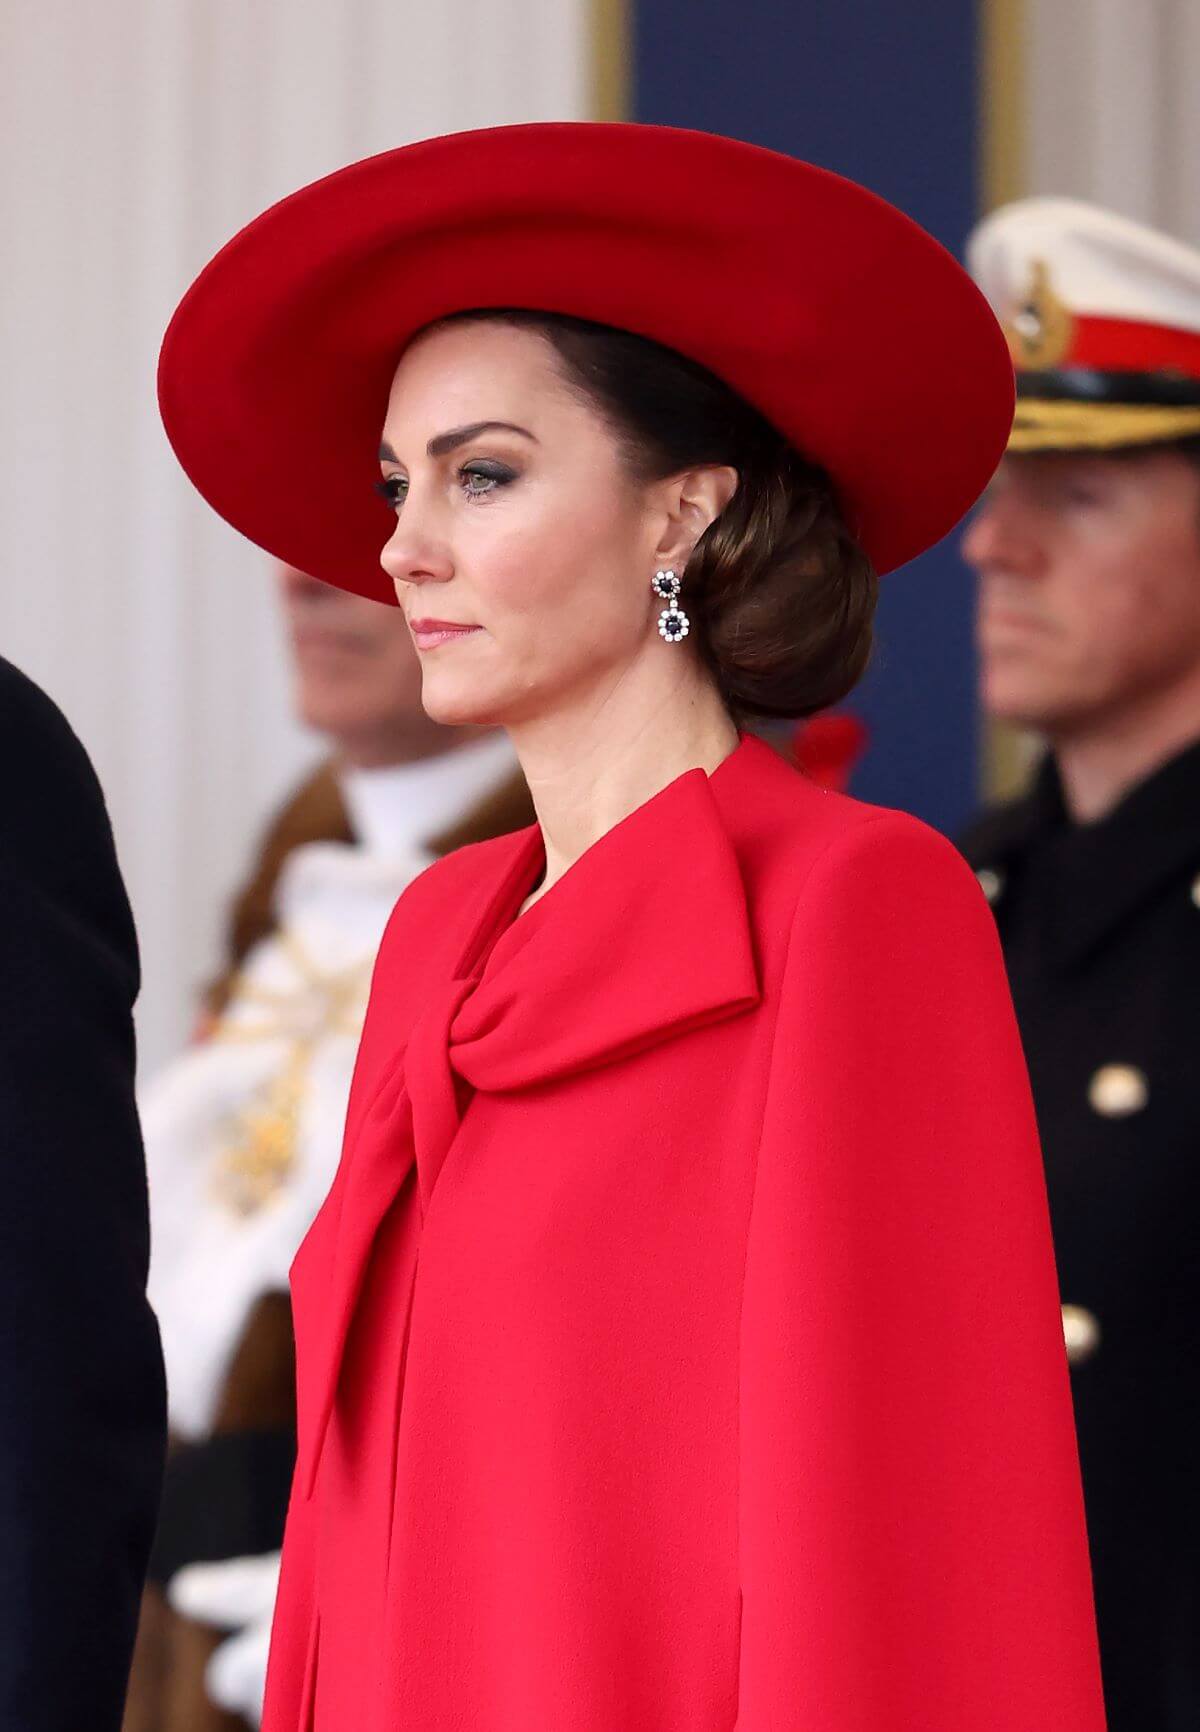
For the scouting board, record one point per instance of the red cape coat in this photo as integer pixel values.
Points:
(679, 1345)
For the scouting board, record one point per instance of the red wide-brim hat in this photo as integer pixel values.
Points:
(840, 319)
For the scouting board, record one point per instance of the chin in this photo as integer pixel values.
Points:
(1023, 704)
(459, 708)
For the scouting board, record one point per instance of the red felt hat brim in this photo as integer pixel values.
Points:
(846, 324)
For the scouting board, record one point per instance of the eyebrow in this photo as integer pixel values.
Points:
(444, 442)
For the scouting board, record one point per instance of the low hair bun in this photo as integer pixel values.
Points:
(784, 594)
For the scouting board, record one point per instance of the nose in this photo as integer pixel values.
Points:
(413, 554)
(998, 539)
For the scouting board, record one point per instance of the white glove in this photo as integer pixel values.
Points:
(237, 1594)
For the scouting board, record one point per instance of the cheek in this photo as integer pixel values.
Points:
(1086, 597)
(1125, 631)
(1098, 615)
(565, 569)
(1156, 627)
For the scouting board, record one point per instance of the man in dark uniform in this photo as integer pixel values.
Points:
(82, 1400)
(1088, 554)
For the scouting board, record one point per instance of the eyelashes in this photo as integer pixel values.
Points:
(393, 489)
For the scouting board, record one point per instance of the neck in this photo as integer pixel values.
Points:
(590, 766)
(1099, 764)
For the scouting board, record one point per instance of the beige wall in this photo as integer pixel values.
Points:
(135, 137)
(1113, 106)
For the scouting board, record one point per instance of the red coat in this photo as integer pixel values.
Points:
(680, 1346)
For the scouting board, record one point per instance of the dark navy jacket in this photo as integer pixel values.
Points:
(82, 1399)
(1100, 925)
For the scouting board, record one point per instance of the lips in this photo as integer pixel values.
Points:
(427, 633)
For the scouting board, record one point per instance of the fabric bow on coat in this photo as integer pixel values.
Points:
(517, 1014)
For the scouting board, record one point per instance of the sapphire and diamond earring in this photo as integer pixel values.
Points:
(673, 623)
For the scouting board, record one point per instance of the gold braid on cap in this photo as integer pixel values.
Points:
(1040, 332)
(1060, 425)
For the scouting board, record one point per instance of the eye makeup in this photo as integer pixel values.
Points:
(393, 489)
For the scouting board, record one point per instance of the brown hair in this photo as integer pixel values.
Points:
(780, 595)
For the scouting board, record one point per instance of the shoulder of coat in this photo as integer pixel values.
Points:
(871, 857)
(49, 753)
(816, 820)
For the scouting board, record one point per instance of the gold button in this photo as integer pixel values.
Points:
(1081, 1333)
(990, 882)
(1117, 1090)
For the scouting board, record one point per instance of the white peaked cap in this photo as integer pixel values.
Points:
(1099, 264)
(1103, 319)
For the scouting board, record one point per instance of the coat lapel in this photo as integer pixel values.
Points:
(645, 938)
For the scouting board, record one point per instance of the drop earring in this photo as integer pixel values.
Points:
(673, 623)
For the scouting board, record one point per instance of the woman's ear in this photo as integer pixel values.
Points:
(695, 499)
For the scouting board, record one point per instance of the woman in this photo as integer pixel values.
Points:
(679, 1346)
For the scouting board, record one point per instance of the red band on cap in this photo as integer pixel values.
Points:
(1129, 346)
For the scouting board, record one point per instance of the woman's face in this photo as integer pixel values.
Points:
(518, 525)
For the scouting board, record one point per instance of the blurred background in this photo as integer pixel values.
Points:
(137, 136)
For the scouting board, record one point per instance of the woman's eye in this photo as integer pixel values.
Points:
(476, 479)
(392, 489)
(479, 479)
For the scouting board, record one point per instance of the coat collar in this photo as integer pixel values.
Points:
(644, 938)
(1104, 871)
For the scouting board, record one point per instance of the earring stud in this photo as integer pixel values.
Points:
(673, 623)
